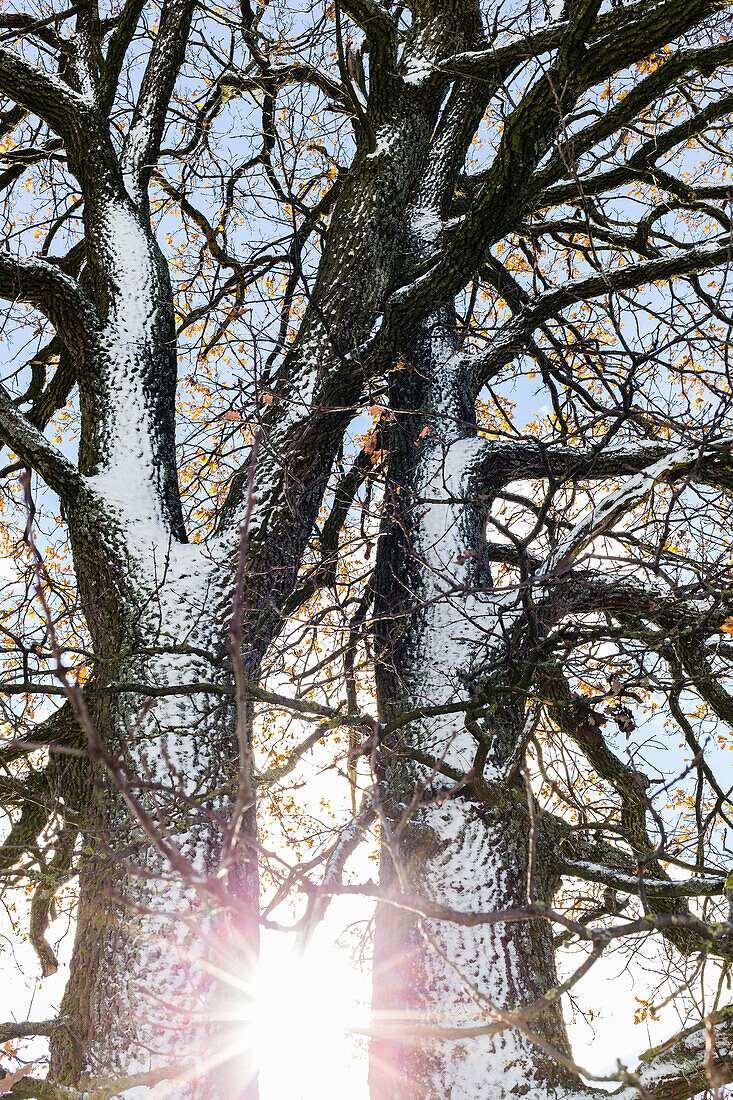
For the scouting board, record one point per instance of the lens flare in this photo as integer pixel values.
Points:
(304, 1005)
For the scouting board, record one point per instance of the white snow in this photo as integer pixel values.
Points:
(426, 224)
(386, 137)
(418, 71)
(614, 506)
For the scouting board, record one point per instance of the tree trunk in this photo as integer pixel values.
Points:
(436, 975)
(461, 844)
(143, 589)
(144, 992)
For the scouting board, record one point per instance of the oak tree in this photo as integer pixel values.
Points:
(399, 333)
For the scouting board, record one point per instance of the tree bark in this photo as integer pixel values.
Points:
(467, 843)
(432, 975)
(143, 992)
(150, 939)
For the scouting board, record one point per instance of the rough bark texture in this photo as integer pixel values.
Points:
(469, 848)
(410, 229)
(430, 975)
(158, 611)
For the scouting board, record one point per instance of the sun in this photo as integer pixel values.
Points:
(305, 1008)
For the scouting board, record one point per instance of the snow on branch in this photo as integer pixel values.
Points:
(694, 887)
(44, 94)
(613, 507)
(689, 1062)
(156, 89)
(34, 449)
(58, 296)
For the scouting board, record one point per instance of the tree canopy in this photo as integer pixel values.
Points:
(367, 400)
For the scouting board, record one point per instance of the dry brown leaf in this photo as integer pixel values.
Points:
(463, 557)
(11, 1079)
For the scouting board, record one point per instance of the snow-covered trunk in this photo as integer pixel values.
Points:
(144, 590)
(441, 976)
(153, 955)
(465, 846)
(143, 992)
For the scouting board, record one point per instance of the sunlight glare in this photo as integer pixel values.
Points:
(304, 1006)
